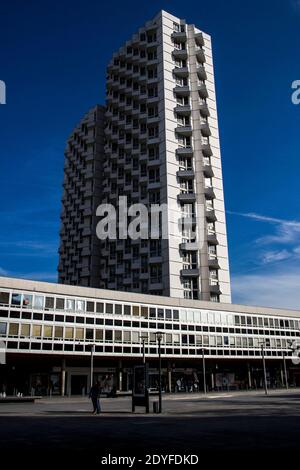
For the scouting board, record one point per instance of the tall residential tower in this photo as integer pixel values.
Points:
(162, 147)
(79, 252)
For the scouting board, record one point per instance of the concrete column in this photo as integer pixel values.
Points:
(249, 376)
(212, 381)
(63, 377)
(120, 377)
(170, 378)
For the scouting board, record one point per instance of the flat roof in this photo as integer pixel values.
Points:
(121, 296)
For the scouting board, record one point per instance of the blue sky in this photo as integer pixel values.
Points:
(53, 57)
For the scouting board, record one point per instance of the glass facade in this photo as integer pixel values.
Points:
(31, 321)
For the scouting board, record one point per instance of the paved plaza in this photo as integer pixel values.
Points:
(190, 424)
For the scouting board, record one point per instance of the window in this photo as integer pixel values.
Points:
(25, 330)
(3, 328)
(16, 299)
(38, 301)
(127, 309)
(89, 333)
(27, 300)
(90, 306)
(118, 336)
(69, 333)
(99, 335)
(118, 309)
(60, 304)
(36, 331)
(144, 312)
(4, 297)
(127, 336)
(109, 308)
(108, 335)
(58, 332)
(70, 304)
(135, 337)
(79, 333)
(49, 302)
(48, 331)
(99, 307)
(80, 305)
(136, 310)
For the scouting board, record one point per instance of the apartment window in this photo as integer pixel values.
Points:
(4, 297)
(69, 333)
(70, 304)
(3, 328)
(38, 302)
(48, 330)
(79, 333)
(108, 335)
(118, 336)
(99, 307)
(127, 309)
(16, 299)
(25, 330)
(90, 306)
(99, 335)
(60, 304)
(154, 175)
(153, 132)
(127, 337)
(58, 332)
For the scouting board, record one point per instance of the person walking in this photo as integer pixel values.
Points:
(94, 396)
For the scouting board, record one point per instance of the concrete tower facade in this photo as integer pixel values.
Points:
(162, 146)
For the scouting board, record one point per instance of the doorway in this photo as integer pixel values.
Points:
(79, 384)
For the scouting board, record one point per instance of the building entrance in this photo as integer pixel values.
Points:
(79, 384)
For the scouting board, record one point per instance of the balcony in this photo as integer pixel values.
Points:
(180, 54)
(210, 215)
(179, 36)
(213, 262)
(199, 39)
(207, 169)
(184, 173)
(200, 55)
(189, 246)
(205, 130)
(204, 108)
(201, 72)
(215, 288)
(209, 192)
(181, 72)
(206, 148)
(202, 90)
(189, 272)
(184, 130)
(186, 197)
(184, 151)
(212, 238)
(184, 110)
(182, 90)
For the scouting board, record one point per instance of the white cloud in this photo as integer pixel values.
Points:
(269, 289)
(286, 232)
(272, 256)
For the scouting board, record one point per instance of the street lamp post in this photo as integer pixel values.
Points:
(285, 372)
(92, 363)
(159, 338)
(264, 367)
(204, 372)
(144, 338)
